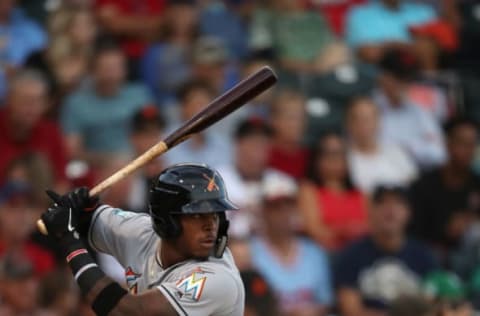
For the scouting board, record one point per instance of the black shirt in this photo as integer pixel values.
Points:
(434, 203)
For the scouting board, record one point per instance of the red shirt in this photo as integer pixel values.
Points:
(335, 12)
(134, 47)
(344, 213)
(293, 163)
(45, 139)
(41, 259)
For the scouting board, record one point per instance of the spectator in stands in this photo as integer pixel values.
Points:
(95, 118)
(208, 147)
(134, 22)
(287, 117)
(245, 175)
(16, 222)
(296, 36)
(227, 20)
(23, 127)
(412, 305)
(421, 136)
(20, 37)
(448, 294)
(210, 63)
(296, 268)
(165, 66)
(34, 169)
(370, 161)
(380, 25)
(18, 287)
(147, 128)
(335, 12)
(385, 265)
(334, 212)
(446, 199)
(65, 60)
(58, 294)
(259, 296)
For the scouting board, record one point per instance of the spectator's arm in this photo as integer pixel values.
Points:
(135, 25)
(72, 129)
(428, 148)
(310, 210)
(451, 13)
(350, 304)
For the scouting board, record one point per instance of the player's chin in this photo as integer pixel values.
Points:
(204, 249)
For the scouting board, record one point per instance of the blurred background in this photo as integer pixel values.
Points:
(357, 175)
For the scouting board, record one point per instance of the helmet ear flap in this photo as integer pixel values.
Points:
(166, 226)
(222, 236)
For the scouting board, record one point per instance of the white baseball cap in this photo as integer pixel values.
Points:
(277, 186)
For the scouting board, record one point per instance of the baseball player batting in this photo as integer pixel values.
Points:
(176, 259)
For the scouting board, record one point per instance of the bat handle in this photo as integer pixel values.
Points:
(140, 161)
(41, 227)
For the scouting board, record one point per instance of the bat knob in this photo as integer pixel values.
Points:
(41, 227)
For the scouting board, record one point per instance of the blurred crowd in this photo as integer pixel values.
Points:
(356, 175)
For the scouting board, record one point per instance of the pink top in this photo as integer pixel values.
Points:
(344, 213)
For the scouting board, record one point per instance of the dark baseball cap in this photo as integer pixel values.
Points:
(15, 268)
(15, 190)
(147, 117)
(399, 63)
(383, 190)
(252, 126)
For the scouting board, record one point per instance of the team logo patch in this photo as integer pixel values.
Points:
(122, 213)
(211, 183)
(192, 285)
(131, 278)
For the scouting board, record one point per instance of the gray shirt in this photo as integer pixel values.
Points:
(212, 287)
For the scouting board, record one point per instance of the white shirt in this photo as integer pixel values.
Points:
(389, 165)
(247, 196)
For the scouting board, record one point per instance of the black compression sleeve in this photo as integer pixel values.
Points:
(108, 298)
(85, 270)
(87, 274)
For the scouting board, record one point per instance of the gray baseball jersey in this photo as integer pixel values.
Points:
(193, 287)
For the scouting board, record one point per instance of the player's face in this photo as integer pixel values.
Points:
(199, 234)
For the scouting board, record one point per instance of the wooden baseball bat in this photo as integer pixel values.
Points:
(225, 104)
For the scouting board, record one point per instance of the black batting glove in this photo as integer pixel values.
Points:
(61, 222)
(81, 203)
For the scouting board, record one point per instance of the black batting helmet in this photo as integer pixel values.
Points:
(189, 189)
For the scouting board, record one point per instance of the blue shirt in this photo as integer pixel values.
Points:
(18, 39)
(219, 21)
(413, 129)
(103, 122)
(164, 68)
(382, 276)
(215, 152)
(306, 281)
(373, 23)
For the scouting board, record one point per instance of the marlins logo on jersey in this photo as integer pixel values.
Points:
(131, 278)
(192, 286)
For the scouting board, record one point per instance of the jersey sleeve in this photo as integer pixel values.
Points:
(120, 233)
(202, 294)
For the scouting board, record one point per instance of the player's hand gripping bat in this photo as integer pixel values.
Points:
(225, 104)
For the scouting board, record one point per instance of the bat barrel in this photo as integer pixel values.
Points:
(225, 104)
